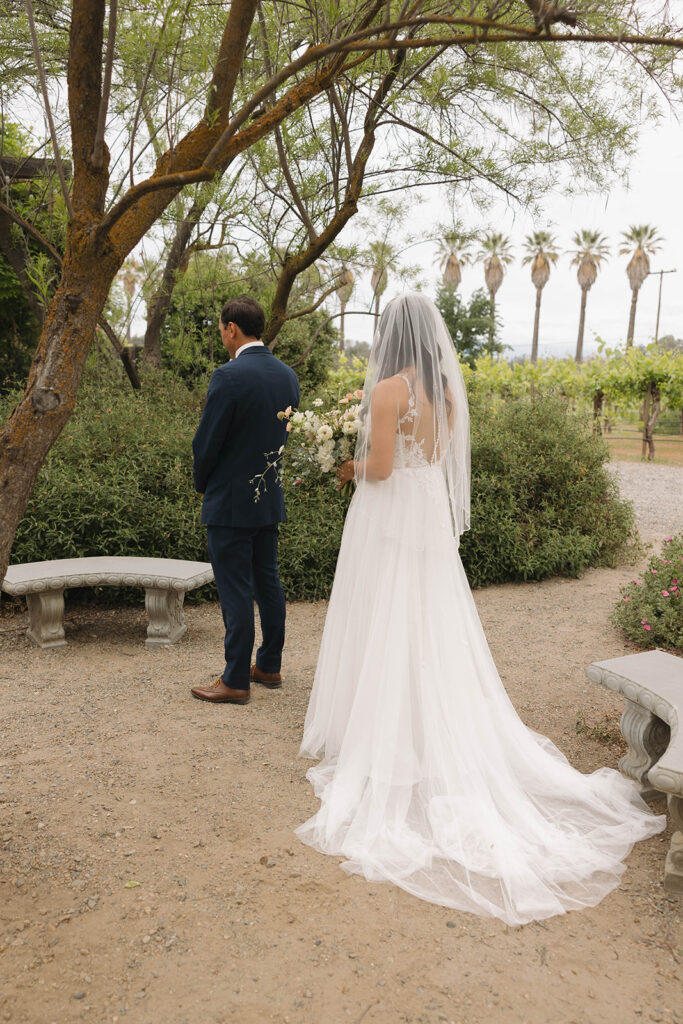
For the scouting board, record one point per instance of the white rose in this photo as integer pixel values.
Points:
(324, 432)
(350, 427)
(298, 418)
(317, 402)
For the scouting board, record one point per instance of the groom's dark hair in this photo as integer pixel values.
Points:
(247, 314)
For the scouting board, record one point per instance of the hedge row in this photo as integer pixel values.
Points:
(118, 481)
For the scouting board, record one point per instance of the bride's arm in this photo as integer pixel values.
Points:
(384, 410)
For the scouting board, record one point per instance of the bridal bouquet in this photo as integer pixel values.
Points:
(320, 440)
(323, 440)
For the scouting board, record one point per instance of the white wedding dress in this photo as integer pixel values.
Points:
(428, 777)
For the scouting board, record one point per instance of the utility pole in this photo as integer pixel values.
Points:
(661, 274)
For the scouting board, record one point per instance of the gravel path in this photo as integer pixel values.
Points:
(657, 495)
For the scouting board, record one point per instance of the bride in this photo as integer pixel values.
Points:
(428, 778)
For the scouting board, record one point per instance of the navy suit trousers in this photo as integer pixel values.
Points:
(244, 561)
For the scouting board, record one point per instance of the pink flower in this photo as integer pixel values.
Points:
(288, 411)
(674, 583)
(647, 627)
(668, 540)
(653, 570)
(288, 427)
(344, 401)
(635, 581)
(627, 599)
(358, 394)
(297, 480)
(643, 621)
(665, 593)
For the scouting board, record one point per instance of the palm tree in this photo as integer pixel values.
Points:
(541, 252)
(343, 290)
(454, 250)
(496, 254)
(591, 249)
(639, 241)
(382, 260)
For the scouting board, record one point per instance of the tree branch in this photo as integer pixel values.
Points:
(35, 234)
(98, 146)
(48, 109)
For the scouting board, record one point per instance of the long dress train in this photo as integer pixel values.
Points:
(428, 777)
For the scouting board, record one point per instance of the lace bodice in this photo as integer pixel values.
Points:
(409, 448)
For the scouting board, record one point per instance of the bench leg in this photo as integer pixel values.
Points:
(647, 737)
(165, 613)
(673, 868)
(46, 618)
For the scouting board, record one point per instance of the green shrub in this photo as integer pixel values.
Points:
(118, 481)
(543, 500)
(650, 609)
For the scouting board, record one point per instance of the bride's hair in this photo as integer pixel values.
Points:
(404, 347)
(411, 336)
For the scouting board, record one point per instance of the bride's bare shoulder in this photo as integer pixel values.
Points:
(388, 391)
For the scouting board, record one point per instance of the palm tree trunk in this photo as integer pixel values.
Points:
(582, 324)
(632, 319)
(493, 321)
(377, 297)
(537, 320)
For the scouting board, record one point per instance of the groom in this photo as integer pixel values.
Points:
(238, 433)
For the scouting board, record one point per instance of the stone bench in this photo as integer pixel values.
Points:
(651, 684)
(165, 581)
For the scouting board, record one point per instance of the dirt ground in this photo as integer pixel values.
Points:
(150, 872)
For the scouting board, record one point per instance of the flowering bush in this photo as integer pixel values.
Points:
(650, 609)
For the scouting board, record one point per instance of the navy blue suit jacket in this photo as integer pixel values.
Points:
(238, 433)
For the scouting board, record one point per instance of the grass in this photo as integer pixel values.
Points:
(625, 442)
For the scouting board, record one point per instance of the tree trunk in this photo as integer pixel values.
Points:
(582, 324)
(37, 421)
(598, 399)
(651, 407)
(493, 321)
(537, 320)
(645, 415)
(160, 302)
(377, 298)
(632, 319)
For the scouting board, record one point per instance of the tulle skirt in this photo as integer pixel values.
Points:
(428, 777)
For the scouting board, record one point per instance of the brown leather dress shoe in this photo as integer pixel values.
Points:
(219, 693)
(270, 679)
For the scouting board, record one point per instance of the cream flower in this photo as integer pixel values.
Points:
(324, 432)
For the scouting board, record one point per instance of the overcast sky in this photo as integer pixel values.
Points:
(654, 195)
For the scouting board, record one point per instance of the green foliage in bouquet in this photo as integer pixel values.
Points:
(650, 609)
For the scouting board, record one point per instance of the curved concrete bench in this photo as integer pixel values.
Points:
(165, 581)
(651, 684)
